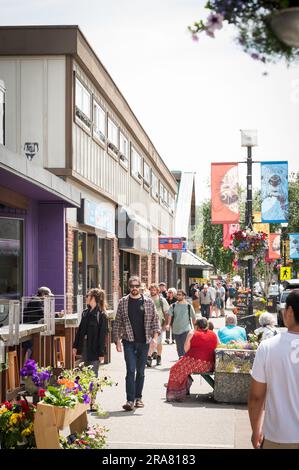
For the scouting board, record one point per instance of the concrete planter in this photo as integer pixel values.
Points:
(232, 375)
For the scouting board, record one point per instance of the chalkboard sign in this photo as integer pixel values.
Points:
(247, 322)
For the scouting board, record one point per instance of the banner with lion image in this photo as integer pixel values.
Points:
(225, 193)
(274, 192)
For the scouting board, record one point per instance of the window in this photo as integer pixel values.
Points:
(79, 263)
(124, 149)
(161, 192)
(165, 197)
(112, 136)
(155, 186)
(2, 113)
(146, 174)
(11, 258)
(171, 203)
(136, 164)
(99, 122)
(83, 104)
(105, 249)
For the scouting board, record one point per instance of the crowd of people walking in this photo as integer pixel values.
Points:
(147, 317)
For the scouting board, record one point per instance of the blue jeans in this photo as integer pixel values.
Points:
(180, 342)
(135, 357)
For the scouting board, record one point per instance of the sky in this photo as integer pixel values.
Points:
(192, 98)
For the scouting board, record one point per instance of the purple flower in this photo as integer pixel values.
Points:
(86, 399)
(90, 386)
(215, 21)
(30, 367)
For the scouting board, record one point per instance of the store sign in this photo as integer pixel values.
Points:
(170, 244)
(101, 216)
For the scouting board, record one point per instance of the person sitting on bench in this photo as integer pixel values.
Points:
(200, 348)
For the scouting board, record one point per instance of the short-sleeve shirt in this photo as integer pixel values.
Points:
(277, 364)
(162, 307)
(181, 323)
(232, 333)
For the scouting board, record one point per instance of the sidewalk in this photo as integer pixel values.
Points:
(197, 423)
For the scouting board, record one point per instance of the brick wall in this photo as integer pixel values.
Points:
(115, 271)
(146, 269)
(155, 267)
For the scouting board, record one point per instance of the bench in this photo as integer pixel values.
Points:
(207, 376)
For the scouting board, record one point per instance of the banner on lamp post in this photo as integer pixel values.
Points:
(274, 246)
(294, 245)
(258, 226)
(274, 192)
(225, 198)
(228, 231)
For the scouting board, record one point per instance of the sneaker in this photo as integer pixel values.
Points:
(158, 360)
(149, 361)
(139, 403)
(129, 406)
(154, 355)
(167, 341)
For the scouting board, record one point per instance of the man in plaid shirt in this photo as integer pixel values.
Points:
(136, 325)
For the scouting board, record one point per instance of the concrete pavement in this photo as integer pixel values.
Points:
(197, 423)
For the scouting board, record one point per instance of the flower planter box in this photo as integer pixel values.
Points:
(50, 419)
(232, 375)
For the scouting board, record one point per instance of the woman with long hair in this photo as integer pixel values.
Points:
(90, 340)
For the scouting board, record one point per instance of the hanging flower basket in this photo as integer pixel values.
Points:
(247, 244)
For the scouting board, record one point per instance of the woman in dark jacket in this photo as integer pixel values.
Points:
(90, 340)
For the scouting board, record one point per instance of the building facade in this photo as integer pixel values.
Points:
(64, 114)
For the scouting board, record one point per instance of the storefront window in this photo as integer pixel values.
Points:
(79, 263)
(105, 268)
(11, 258)
(92, 268)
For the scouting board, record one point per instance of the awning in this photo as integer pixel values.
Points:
(133, 232)
(33, 181)
(191, 260)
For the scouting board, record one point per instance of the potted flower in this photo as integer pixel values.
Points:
(268, 30)
(35, 377)
(94, 437)
(16, 425)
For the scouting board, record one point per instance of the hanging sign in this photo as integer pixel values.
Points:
(171, 243)
(274, 192)
(225, 189)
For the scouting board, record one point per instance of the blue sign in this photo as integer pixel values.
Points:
(101, 216)
(294, 245)
(274, 192)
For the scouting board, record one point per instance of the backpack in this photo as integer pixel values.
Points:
(189, 313)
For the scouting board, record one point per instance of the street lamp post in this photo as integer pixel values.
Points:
(249, 140)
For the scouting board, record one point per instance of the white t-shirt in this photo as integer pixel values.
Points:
(277, 364)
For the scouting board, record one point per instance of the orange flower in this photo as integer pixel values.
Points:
(68, 383)
(61, 381)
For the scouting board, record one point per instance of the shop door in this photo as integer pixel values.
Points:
(11, 258)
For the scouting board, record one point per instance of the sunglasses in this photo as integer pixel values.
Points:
(134, 286)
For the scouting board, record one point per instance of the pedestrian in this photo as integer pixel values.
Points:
(143, 290)
(91, 336)
(182, 317)
(171, 299)
(267, 328)
(212, 291)
(211, 325)
(136, 324)
(273, 400)
(205, 302)
(200, 348)
(162, 307)
(195, 297)
(220, 299)
(163, 289)
(231, 332)
(34, 313)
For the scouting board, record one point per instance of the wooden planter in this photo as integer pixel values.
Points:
(50, 419)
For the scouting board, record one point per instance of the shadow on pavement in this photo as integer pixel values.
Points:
(205, 401)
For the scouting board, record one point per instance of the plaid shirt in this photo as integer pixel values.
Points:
(122, 328)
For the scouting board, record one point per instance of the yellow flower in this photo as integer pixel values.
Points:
(3, 409)
(14, 418)
(27, 431)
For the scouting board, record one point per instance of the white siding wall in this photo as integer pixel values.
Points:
(35, 106)
(94, 163)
